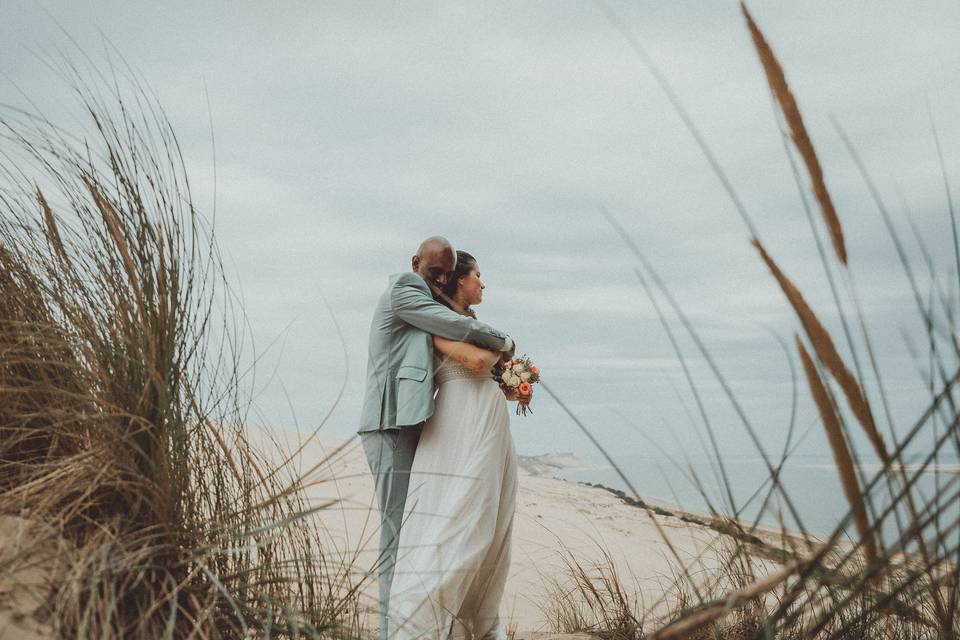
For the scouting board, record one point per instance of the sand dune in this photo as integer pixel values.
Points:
(553, 516)
(555, 519)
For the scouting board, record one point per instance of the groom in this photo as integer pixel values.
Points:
(399, 388)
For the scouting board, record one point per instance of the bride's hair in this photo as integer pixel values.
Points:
(465, 264)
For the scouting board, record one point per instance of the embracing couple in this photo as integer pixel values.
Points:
(436, 433)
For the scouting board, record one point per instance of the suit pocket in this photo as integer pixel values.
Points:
(410, 372)
(413, 394)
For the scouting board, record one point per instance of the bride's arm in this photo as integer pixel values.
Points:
(466, 354)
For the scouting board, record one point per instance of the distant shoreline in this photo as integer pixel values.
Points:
(548, 465)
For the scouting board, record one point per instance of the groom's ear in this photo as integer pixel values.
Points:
(415, 264)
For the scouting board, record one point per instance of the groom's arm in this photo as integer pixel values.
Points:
(414, 305)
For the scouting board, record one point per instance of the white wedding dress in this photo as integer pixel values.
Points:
(454, 547)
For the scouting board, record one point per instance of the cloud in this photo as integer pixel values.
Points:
(346, 132)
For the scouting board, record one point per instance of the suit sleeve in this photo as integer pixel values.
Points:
(414, 305)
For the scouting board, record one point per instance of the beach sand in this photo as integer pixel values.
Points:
(554, 517)
(556, 521)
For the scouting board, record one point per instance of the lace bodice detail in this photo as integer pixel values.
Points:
(447, 369)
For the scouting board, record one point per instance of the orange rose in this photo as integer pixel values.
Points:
(524, 389)
(534, 370)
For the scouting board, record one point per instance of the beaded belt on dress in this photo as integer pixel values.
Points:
(453, 370)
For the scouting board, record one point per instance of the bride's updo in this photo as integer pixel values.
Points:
(465, 264)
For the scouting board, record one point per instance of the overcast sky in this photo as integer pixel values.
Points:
(347, 132)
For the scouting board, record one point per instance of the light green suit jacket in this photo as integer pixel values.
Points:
(399, 385)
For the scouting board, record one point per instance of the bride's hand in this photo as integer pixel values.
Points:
(510, 395)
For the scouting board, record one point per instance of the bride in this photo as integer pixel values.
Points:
(454, 547)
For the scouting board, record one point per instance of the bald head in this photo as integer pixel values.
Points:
(435, 260)
(434, 243)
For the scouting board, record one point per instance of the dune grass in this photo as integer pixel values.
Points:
(861, 587)
(121, 411)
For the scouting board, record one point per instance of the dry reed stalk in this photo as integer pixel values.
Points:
(112, 221)
(841, 453)
(798, 133)
(828, 354)
(52, 231)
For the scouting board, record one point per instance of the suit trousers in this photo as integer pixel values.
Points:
(390, 455)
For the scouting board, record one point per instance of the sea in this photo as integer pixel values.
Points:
(810, 496)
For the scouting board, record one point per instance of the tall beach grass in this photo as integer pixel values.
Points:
(121, 404)
(856, 582)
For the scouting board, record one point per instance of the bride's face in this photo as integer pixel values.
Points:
(470, 287)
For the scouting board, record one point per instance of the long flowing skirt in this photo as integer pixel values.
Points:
(454, 548)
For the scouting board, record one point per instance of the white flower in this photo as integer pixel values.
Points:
(525, 376)
(511, 380)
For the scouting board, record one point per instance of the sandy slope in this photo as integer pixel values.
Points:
(552, 515)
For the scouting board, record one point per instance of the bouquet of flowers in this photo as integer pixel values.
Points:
(517, 377)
